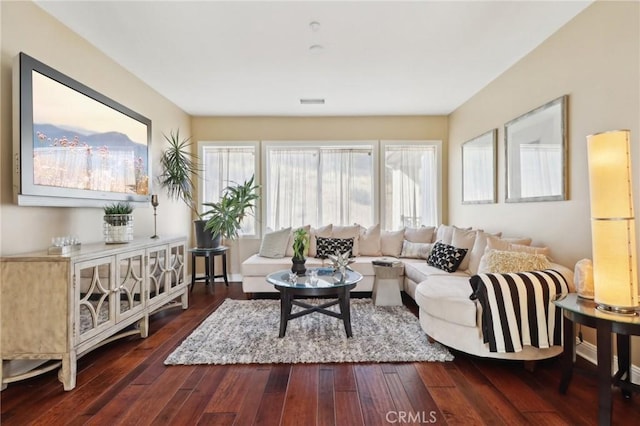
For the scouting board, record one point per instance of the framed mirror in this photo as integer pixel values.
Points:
(536, 154)
(479, 169)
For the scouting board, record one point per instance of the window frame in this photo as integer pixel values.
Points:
(411, 142)
(255, 145)
(372, 144)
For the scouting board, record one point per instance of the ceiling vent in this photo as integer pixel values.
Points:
(312, 101)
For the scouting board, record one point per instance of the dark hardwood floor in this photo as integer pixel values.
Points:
(126, 382)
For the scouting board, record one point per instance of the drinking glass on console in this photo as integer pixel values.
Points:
(154, 203)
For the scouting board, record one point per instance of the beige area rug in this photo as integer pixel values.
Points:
(246, 332)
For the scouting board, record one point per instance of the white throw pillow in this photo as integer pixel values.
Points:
(274, 244)
(370, 241)
(419, 235)
(463, 239)
(416, 250)
(391, 242)
(521, 245)
(506, 262)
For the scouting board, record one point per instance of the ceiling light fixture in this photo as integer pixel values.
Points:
(316, 48)
(315, 26)
(312, 101)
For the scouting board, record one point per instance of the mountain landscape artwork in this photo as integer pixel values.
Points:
(80, 143)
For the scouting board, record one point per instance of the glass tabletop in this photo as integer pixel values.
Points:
(573, 303)
(285, 278)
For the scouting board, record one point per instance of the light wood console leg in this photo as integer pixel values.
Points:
(185, 298)
(3, 385)
(143, 326)
(67, 373)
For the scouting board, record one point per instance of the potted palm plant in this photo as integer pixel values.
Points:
(179, 168)
(300, 250)
(225, 216)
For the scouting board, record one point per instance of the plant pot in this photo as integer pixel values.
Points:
(298, 266)
(205, 238)
(118, 228)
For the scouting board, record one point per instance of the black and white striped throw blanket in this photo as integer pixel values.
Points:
(518, 309)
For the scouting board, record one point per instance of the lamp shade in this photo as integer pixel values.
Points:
(612, 221)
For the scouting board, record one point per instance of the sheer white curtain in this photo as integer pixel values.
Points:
(410, 185)
(291, 189)
(223, 166)
(318, 185)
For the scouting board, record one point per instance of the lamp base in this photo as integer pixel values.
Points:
(618, 310)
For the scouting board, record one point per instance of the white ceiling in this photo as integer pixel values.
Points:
(253, 58)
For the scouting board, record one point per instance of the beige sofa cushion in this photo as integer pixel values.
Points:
(464, 239)
(447, 297)
(419, 271)
(416, 250)
(369, 241)
(258, 266)
(420, 235)
(391, 242)
(505, 245)
(274, 244)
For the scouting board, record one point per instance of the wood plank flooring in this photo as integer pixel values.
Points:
(126, 382)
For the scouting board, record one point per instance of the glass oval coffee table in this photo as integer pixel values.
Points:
(332, 285)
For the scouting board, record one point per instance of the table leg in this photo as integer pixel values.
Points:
(345, 310)
(603, 329)
(207, 268)
(224, 268)
(569, 342)
(193, 270)
(285, 311)
(624, 360)
(211, 272)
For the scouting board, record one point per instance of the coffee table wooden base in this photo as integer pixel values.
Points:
(287, 301)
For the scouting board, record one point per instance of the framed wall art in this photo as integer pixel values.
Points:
(536, 154)
(479, 169)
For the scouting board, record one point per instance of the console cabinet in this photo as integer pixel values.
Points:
(55, 309)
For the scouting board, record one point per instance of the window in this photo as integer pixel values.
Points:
(223, 164)
(319, 184)
(411, 184)
(396, 183)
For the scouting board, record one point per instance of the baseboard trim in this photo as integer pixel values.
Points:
(589, 351)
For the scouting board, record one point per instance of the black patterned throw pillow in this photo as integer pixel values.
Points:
(327, 246)
(446, 257)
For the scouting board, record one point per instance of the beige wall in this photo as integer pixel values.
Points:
(318, 128)
(25, 27)
(595, 59)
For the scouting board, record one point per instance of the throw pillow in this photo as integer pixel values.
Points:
(446, 257)
(463, 239)
(419, 235)
(445, 233)
(369, 240)
(391, 242)
(350, 231)
(506, 262)
(478, 249)
(274, 244)
(322, 231)
(416, 250)
(327, 246)
(516, 245)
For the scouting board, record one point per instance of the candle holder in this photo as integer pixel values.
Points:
(155, 203)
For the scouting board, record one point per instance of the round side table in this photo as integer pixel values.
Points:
(209, 255)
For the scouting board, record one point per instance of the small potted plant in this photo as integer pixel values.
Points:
(224, 217)
(118, 223)
(300, 250)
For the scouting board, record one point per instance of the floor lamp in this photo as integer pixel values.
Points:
(615, 275)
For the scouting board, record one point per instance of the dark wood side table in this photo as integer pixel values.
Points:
(583, 311)
(209, 255)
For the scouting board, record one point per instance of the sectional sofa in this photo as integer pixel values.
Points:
(440, 289)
